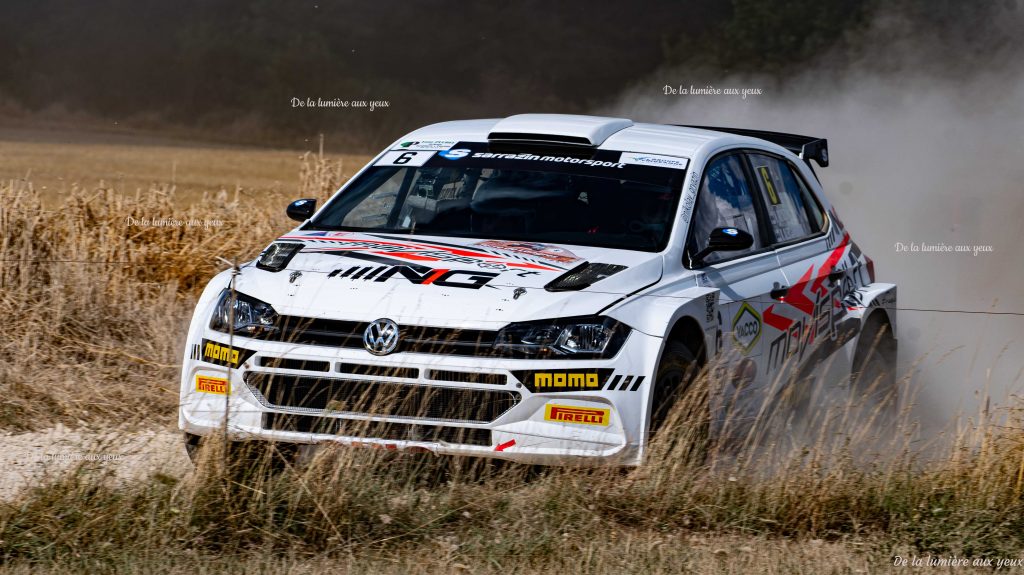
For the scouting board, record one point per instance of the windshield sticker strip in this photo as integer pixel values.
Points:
(655, 160)
(589, 162)
(426, 145)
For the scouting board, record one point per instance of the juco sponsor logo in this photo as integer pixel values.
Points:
(219, 354)
(580, 415)
(565, 380)
(746, 327)
(215, 385)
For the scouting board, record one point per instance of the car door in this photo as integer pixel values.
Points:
(800, 324)
(745, 279)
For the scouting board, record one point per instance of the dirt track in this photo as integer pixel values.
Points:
(28, 458)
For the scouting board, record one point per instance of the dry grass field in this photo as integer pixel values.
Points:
(58, 158)
(95, 312)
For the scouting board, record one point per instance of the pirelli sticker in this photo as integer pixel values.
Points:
(577, 415)
(220, 354)
(214, 385)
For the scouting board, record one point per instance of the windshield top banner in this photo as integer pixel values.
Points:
(633, 166)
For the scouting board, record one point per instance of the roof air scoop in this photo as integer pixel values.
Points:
(557, 129)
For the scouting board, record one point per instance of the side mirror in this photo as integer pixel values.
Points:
(724, 240)
(301, 210)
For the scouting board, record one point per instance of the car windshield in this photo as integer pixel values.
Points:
(581, 202)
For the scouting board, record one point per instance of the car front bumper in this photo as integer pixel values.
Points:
(559, 424)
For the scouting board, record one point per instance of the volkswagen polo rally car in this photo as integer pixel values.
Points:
(538, 288)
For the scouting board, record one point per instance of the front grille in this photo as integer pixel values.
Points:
(376, 429)
(467, 377)
(416, 339)
(284, 363)
(381, 398)
(378, 370)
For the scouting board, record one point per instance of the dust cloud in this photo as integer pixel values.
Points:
(926, 136)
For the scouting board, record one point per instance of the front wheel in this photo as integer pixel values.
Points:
(678, 406)
(245, 457)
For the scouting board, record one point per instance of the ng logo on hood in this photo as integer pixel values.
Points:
(419, 275)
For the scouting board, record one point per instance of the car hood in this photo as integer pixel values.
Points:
(440, 281)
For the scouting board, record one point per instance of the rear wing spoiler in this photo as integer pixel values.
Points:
(807, 147)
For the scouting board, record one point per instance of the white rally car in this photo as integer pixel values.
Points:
(537, 288)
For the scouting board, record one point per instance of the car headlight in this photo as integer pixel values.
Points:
(243, 315)
(590, 337)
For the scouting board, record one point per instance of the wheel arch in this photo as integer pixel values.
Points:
(688, 330)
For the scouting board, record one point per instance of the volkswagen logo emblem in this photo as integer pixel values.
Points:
(381, 337)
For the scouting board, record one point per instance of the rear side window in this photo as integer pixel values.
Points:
(725, 200)
(792, 212)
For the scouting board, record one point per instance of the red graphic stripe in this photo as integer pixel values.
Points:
(830, 262)
(796, 296)
(407, 256)
(505, 445)
(437, 273)
(779, 322)
(529, 266)
(460, 252)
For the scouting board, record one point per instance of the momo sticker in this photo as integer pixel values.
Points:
(220, 354)
(746, 327)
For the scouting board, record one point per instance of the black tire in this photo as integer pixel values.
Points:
(192, 442)
(246, 456)
(873, 375)
(674, 383)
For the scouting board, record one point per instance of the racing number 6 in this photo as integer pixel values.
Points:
(405, 157)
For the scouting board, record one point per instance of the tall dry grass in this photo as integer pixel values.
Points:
(100, 341)
(96, 294)
(419, 513)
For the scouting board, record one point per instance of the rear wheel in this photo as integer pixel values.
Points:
(873, 377)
